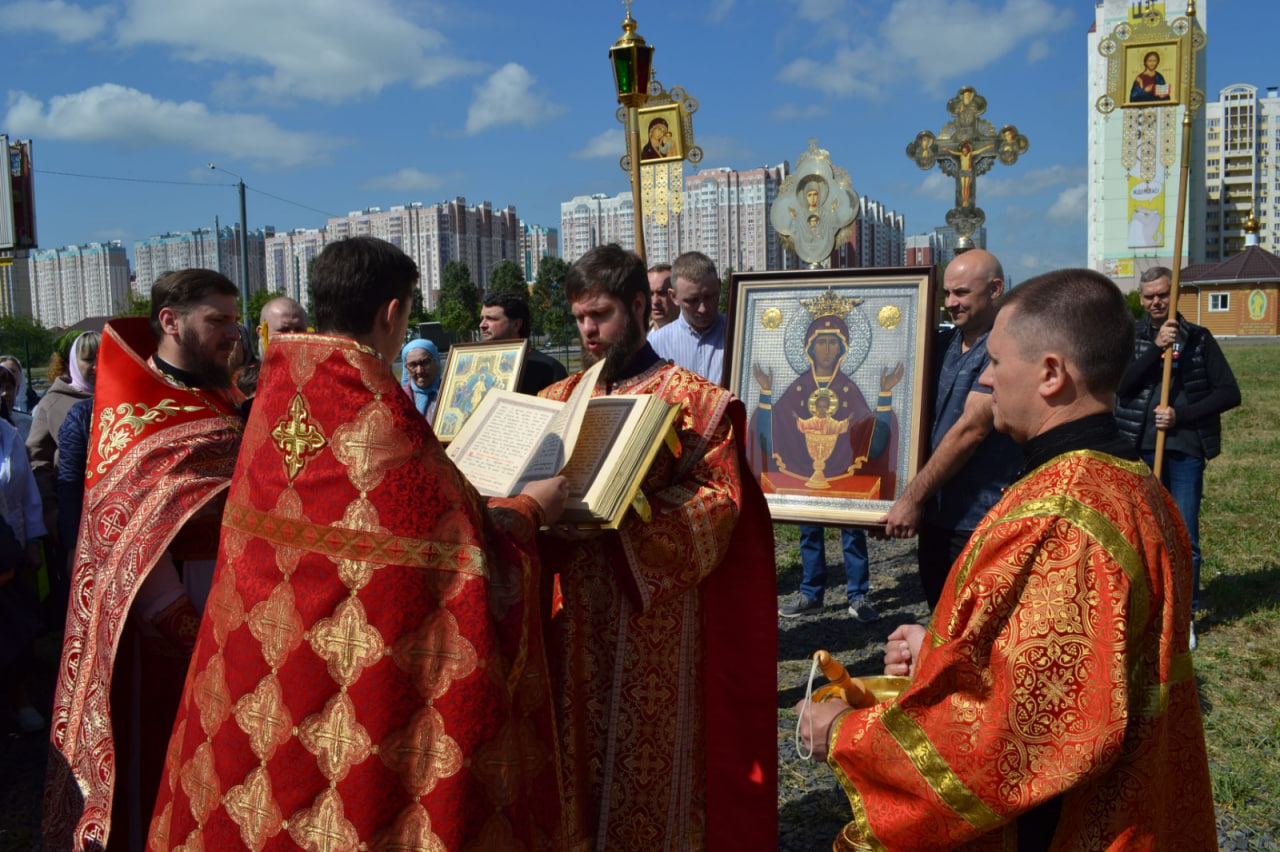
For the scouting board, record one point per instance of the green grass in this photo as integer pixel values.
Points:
(1238, 659)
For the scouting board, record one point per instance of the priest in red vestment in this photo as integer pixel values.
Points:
(370, 672)
(664, 633)
(1053, 701)
(166, 430)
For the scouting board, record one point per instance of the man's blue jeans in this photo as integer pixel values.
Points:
(1183, 475)
(813, 562)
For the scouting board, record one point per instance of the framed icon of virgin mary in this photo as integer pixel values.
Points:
(832, 365)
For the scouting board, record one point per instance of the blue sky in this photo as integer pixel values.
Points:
(329, 106)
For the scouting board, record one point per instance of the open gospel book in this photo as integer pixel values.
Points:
(603, 445)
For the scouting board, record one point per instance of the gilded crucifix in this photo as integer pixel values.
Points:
(966, 147)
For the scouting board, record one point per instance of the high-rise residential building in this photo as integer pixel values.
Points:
(1133, 173)
(74, 282)
(726, 217)
(433, 235)
(537, 242)
(875, 238)
(724, 214)
(938, 246)
(1241, 170)
(587, 221)
(201, 248)
(288, 262)
(15, 284)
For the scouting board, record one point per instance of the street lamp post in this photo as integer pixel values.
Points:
(632, 60)
(244, 240)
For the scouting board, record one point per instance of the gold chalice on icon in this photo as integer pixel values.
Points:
(820, 447)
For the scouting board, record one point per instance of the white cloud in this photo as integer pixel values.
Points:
(819, 11)
(611, 144)
(326, 50)
(938, 187)
(1070, 207)
(1029, 181)
(114, 113)
(1037, 50)
(720, 10)
(66, 22)
(507, 97)
(919, 38)
(408, 180)
(792, 112)
(926, 32)
(722, 150)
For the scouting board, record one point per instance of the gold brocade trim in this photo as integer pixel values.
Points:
(277, 626)
(422, 753)
(212, 696)
(861, 822)
(297, 438)
(324, 827)
(347, 642)
(200, 783)
(339, 543)
(1181, 670)
(115, 436)
(1098, 527)
(264, 718)
(336, 737)
(369, 445)
(940, 777)
(411, 832)
(252, 807)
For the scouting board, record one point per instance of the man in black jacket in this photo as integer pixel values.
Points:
(1202, 386)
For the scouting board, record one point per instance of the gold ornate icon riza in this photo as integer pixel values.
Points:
(889, 316)
(771, 318)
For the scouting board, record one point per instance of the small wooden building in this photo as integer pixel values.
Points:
(1237, 297)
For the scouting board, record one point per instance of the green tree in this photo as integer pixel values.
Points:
(548, 307)
(724, 289)
(418, 313)
(28, 341)
(459, 309)
(139, 306)
(507, 277)
(256, 302)
(1134, 300)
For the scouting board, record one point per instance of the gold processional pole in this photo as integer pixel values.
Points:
(632, 62)
(1136, 50)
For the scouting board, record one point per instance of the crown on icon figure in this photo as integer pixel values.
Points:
(829, 305)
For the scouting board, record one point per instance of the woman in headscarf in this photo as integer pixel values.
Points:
(21, 527)
(42, 447)
(421, 362)
(12, 394)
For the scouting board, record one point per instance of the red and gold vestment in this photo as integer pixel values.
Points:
(664, 651)
(370, 670)
(160, 457)
(1056, 670)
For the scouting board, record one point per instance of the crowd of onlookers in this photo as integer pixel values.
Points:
(41, 439)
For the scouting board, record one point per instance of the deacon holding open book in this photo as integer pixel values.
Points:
(370, 670)
(663, 639)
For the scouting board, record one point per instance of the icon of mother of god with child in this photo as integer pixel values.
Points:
(819, 436)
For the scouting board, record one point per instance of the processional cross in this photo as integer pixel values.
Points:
(966, 147)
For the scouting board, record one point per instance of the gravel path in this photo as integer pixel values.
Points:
(811, 806)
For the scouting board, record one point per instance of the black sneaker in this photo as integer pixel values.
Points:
(861, 609)
(802, 605)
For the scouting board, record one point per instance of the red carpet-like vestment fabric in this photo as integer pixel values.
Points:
(370, 670)
(159, 455)
(1056, 668)
(664, 646)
